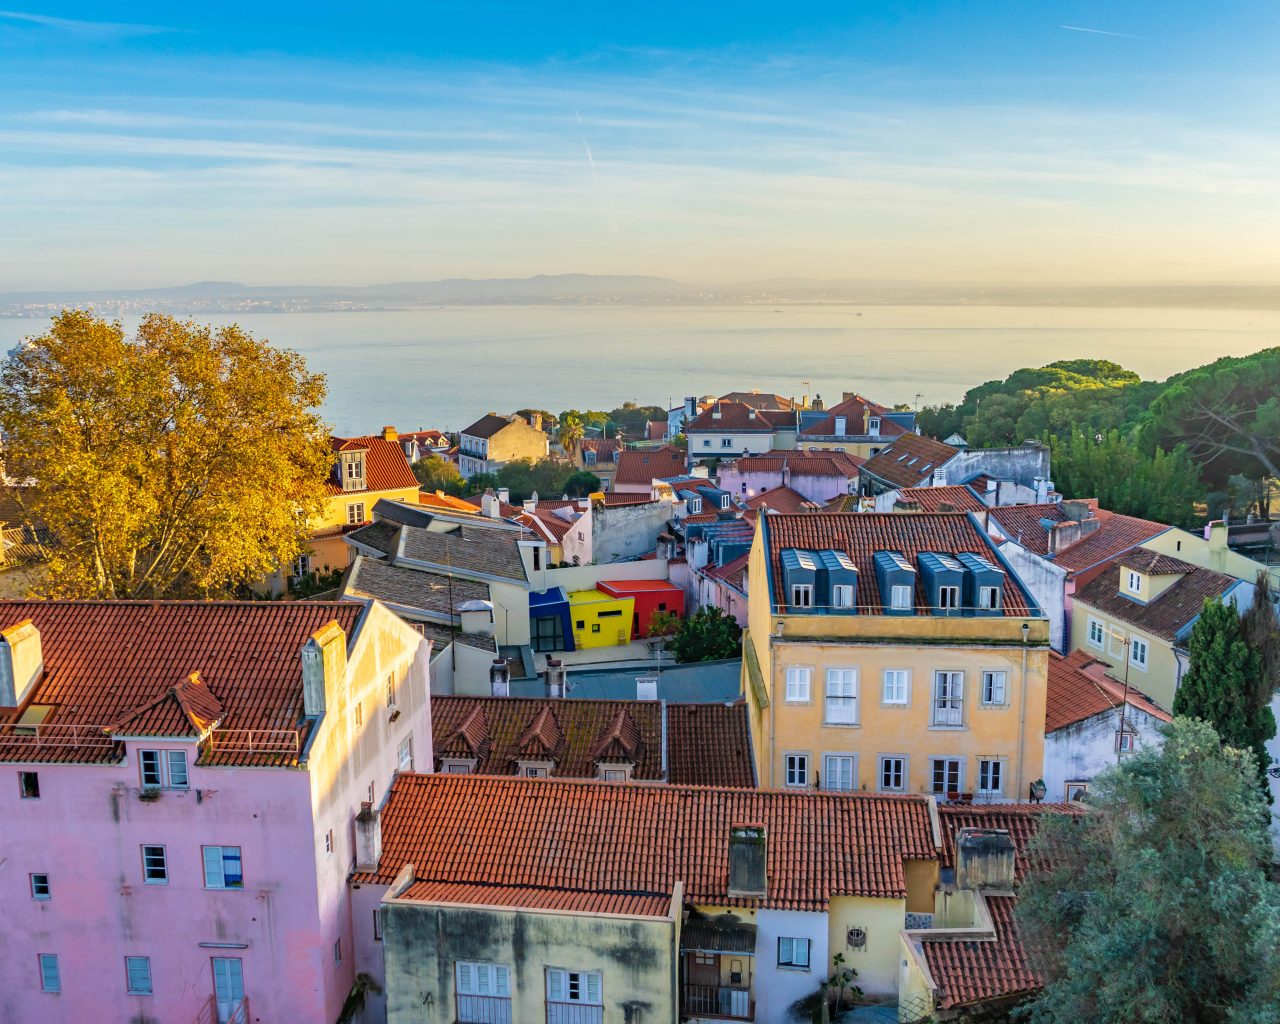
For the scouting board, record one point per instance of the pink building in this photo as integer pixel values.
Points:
(184, 779)
(817, 476)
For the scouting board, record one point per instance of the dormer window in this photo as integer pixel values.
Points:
(351, 468)
(842, 596)
(534, 769)
(802, 596)
(618, 771)
(873, 425)
(1135, 582)
(948, 598)
(695, 506)
(589, 457)
(989, 598)
(724, 501)
(900, 598)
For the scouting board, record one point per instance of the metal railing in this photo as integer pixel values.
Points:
(574, 1013)
(253, 741)
(483, 1009)
(62, 736)
(729, 1001)
(238, 1014)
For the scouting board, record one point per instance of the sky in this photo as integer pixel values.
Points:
(285, 143)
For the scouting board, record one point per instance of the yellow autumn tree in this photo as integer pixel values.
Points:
(184, 461)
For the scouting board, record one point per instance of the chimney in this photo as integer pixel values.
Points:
(817, 403)
(324, 662)
(504, 495)
(489, 504)
(847, 395)
(368, 837)
(1076, 511)
(389, 434)
(535, 420)
(555, 677)
(690, 408)
(530, 505)
(786, 472)
(842, 426)
(1216, 535)
(21, 663)
(646, 687)
(500, 678)
(984, 859)
(747, 860)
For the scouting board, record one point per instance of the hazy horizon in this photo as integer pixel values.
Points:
(988, 144)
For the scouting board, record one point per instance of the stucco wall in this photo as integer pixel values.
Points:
(776, 988)
(422, 943)
(1047, 583)
(1081, 751)
(813, 486)
(1027, 464)
(877, 961)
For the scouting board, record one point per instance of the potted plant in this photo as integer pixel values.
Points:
(149, 794)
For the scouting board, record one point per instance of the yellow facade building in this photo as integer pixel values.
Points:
(892, 653)
(600, 619)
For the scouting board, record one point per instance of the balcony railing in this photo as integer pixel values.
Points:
(253, 741)
(574, 1013)
(61, 736)
(236, 1014)
(484, 1010)
(731, 1002)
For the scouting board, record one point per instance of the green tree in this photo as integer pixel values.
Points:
(479, 483)
(581, 484)
(437, 474)
(1154, 907)
(1224, 685)
(708, 635)
(633, 420)
(571, 432)
(184, 461)
(524, 476)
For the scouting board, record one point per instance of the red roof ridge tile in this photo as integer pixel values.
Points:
(543, 735)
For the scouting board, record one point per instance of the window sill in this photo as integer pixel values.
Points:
(948, 728)
(795, 969)
(842, 725)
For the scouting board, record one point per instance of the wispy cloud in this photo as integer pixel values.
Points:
(1098, 32)
(99, 29)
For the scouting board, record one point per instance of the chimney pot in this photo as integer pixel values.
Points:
(500, 678)
(368, 837)
(646, 687)
(389, 434)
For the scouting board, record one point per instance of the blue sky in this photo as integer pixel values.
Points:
(983, 141)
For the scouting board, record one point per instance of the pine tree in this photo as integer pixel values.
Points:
(1224, 685)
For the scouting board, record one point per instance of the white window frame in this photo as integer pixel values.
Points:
(42, 889)
(986, 767)
(1126, 741)
(138, 982)
(50, 973)
(873, 425)
(893, 698)
(479, 978)
(1136, 644)
(989, 599)
(995, 688)
(795, 769)
(565, 986)
(840, 699)
(457, 766)
(902, 766)
(842, 595)
(724, 501)
(948, 598)
(726, 442)
(842, 761)
(1096, 635)
(947, 711)
(149, 864)
(168, 768)
(802, 595)
(1074, 788)
(218, 879)
(901, 597)
(706, 442)
(795, 954)
(355, 513)
(799, 685)
(1135, 582)
(958, 763)
(404, 754)
(695, 508)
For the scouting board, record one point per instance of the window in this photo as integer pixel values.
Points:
(726, 442)
(137, 975)
(1138, 653)
(873, 425)
(948, 698)
(893, 773)
(1124, 742)
(948, 598)
(476, 979)
(155, 865)
(530, 771)
(301, 567)
(1097, 633)
(842, 696)
(359, 713)
(838, 772)
(706, 442)
(589, 457)
(1076, 791)
(695, 506)
(456, 767)
(793, 952)
(842, 596)
(798, 685)
(163, 769)
(802, 595)
(537, 559)
(948, 774)
(50, 977)
(994, 687)
(222, 867)
(1135, 582)
(391, 691)
(989, 598)
(404, 754)
(724, 501)
(614, 774)
(355, 513)
(29, 785)
(328, 841)
(574, 987)
(371, 791)
(377, 924)
(797, 766)
(900, 598)
(990, 776)
(40, 887)
(595, 627)
(896, 681)
(337, 951)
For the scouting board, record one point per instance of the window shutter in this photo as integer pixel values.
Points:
(466, 980)
(502, 982)
(555, 985)
(785, 951)
(482, 979)
(802, 952)
(213, 877)
(593, 988)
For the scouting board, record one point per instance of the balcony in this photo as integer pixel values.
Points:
(483, 1010)
(235, 1012)
(726, 1002)
(574, 1013)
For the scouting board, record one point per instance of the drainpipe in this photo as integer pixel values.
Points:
(773, 711)
(1022, 719)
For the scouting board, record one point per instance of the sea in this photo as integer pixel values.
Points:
(445, 367)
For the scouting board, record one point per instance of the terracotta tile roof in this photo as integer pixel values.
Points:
(861, 535)
(1020, 820)
(1079, 688)
(932, 499)
(739, 418)
(733, 573)
(842, 503)
(439, 499)
(1116, 535)
(757, 400)
(967, 972)
(908, 460)
(606, 447)
(385, 467)
(1025, 524)
(527, 897)
(611, 499)
(783, 499)
(1153, 563)
(801, 463)
(706, 744)
(852, 409)
(487, 425)
(433, 438)
(596, 837)
(1169, 612)
(131, 663)
(641, 466)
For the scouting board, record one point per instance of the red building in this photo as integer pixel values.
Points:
(650, 596)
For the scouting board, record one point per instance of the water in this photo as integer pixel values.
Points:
(445, 367)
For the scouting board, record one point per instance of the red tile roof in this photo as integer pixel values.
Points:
(487, 425)
(131, 663)
(757, 400)
(733, 573)
(385, 467)
(861, 534)
(706, 744)
(1025, 524)
(606, 447)
(852, 409)
(908, 460)
(1020, 820)
(932, 499)
(534, 898)
(1079, 688)
(626, 838)
(1166, 614)
(801, 463)
(968, 972)
(439, 499)
(1116, 535)
(740, 417)
(783, 499)
(641, 466)
(1153, 563)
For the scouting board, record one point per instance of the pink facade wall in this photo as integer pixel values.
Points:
(816, 488)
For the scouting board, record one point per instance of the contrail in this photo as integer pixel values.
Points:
(1098, 32)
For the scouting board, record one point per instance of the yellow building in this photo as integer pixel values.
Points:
(855, 425)
(1138, 615)
(892, 653)
(600, 619)
(1211, 552)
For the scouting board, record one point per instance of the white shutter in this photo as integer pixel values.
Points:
(177, 768)
(466, 979)
(802, 952)
(502, 985)
(483, 972)
(593, 989)
(213, 877)
(556, 985)
(785, 951)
